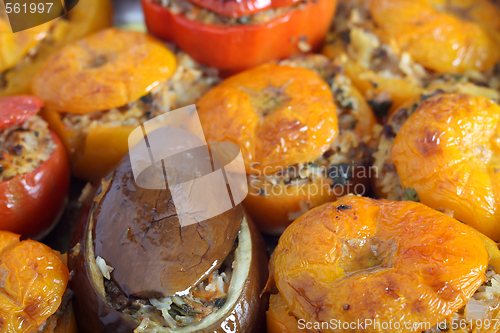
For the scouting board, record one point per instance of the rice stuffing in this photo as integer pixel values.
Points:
(24, 147)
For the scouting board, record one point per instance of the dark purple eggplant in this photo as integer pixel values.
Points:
(137, 232)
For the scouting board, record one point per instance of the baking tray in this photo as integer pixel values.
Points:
(127, 15)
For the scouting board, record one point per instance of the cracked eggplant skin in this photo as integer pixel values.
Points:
(95, 314)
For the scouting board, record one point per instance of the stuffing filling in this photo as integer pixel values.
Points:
(175, 310)
(196, 13)
(187, 84)
(355, 29)
(24, 147)
(482, 312)
(348, 155)
(47, 39)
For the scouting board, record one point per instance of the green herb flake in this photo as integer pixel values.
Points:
(411, 195)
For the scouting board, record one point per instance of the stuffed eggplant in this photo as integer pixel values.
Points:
(136, 270)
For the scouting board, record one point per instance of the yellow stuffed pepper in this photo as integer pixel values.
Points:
(394, 49)
(390, 267)
(305, 133)
(443, 150)
(99, 89)
(23, 53)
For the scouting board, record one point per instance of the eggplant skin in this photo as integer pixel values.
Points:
(95, 315)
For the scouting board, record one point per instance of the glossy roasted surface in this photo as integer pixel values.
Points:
(278, 115)
(448, 151)
(137, 230)
(359, 258)
(450, 36)
(33, 280)
(106, 70)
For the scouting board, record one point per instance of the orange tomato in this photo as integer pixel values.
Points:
(448, 151)
(359, 258)
(33, 283)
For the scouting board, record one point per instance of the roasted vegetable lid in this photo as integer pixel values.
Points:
(15, 110)
(138, 233)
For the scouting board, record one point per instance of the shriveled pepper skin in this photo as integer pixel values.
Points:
(33, 280)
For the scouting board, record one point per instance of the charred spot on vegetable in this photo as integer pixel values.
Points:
(262, 193)
(98, 61)
(346, 307)
(268, 99)
(381, 109)
(411, 195)
(344, 207)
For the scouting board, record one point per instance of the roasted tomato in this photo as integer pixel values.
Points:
(33, 295)
(34, 169)
(444, 151)
(23, 53)
(399, 263)
(103, 72)
(300, 149)
(236, 35)
(392, 48)
(217, 267)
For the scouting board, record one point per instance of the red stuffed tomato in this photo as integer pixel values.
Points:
(236, 35)
(34, 169)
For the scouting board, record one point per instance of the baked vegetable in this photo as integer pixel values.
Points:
(401, 264)
(304, 142)
(23, 53)
(34, 296)
(159, 276)
(34, 169)
(106, 71)
(237, 35)
(443, 150)
(394, 49)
